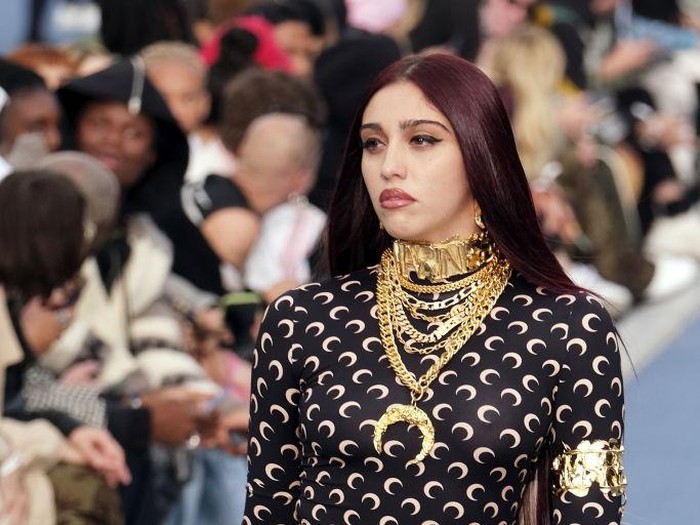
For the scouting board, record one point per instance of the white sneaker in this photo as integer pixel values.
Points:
(672, 274)
(618, 298)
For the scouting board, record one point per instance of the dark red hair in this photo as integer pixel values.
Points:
(471, 103)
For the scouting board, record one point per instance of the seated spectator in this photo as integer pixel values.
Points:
(42, 241)
(212, 203)
(236, 45)
(179, 74)
(277, 155)
(29, 118)
(278, 160)
(217, 205)
(299, 29)
(126, 126)
(117, 116)
(571, 176)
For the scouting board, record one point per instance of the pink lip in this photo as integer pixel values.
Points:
(394, 198)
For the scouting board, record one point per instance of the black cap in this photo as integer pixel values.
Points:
(15, 78)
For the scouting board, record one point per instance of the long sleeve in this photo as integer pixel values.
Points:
(131, 427)
(39, 442)
(274, 450)
(587, 435)
(61, 421)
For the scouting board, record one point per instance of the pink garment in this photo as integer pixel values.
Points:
(233, 386)
(269, 55)
(375, 16)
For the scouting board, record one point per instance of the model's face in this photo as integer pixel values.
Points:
(413, 168)
(184, 91)
(34, 112)
(120, 140)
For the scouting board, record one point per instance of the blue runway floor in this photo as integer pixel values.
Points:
(662, 458)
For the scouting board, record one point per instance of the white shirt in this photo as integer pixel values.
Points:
(208, 157)
(288, 235)
(5, 168)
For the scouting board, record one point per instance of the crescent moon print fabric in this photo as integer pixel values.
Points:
(542, 371)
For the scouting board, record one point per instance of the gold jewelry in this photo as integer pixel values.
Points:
(412, 415)
(479, 220)
(437, 262)
(448, 331)
(576, 470)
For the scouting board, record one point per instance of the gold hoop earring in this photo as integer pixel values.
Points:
(478, 219)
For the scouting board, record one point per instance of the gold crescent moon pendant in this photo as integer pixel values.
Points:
(411, 415)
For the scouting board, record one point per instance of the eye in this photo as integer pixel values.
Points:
(96, 123)
(370, 144)
(132, 133)
(424, 140)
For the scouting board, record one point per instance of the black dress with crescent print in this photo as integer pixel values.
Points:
(541, 372)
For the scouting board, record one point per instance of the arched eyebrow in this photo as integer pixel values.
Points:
(408, 124)
(405, 124)
(371, 125)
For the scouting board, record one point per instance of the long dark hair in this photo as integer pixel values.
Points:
(41, 232)
(471, 103)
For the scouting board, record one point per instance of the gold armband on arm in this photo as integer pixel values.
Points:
(576, 470)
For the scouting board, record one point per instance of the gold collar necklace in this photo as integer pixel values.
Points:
(437, 262)
(450, 321)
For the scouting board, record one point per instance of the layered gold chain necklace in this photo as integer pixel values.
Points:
(454, 311)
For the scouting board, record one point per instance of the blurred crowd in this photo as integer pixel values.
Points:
(166, 168)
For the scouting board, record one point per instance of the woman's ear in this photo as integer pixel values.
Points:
(478, 219)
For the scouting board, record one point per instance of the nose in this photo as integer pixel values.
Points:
(393, 162)
(111, 137)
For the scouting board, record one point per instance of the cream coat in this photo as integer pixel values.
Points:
(40, 444)
(135, 309)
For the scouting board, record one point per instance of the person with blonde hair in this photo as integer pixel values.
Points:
(180, 75)
(529, 64)
(578, 181)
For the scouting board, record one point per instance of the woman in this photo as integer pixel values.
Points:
(468, 330)
(575, 194)
(42, 243)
